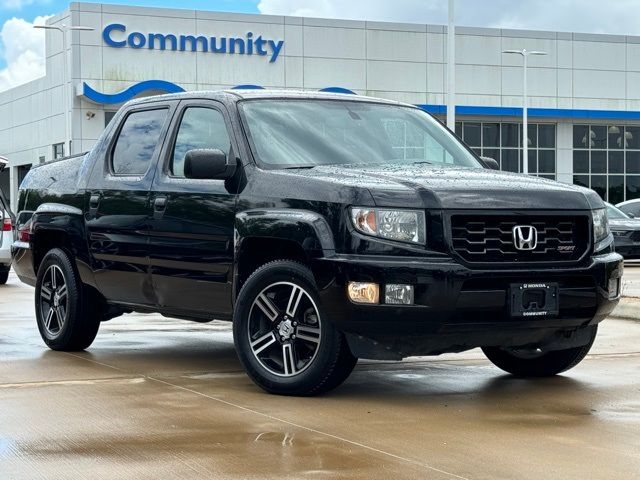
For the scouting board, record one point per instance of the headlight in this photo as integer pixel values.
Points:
(600, 225)
(400, 225)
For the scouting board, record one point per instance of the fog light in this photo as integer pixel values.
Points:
(363, 292)
(614, 287)
(398, 294)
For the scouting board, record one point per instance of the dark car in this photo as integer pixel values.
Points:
(626, 232)
(326, 227)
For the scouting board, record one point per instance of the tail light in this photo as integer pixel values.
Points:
(24, 232)
(6, 225)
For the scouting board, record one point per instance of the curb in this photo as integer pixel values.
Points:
(627, 309)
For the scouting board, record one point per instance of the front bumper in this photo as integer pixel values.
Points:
(457, 308)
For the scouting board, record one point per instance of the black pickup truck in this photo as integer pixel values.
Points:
(326, 227)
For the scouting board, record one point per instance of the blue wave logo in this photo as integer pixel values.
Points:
(162, 86)
(129, 93)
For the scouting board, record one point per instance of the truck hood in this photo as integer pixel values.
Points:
(426, 186)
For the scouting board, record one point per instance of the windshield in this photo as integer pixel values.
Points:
(307, 133)
(614, 212)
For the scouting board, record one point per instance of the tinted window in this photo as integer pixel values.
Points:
(598, 136)
(581, 161)
(491, 134)
(137, 141)
(510, 135)
(472, 134)
(616, 162)
(616, 188)
(200, 128)
(547, 161)
(546, 136)
(581, 136)
(599, 162)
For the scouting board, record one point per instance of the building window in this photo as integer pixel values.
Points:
(58, 150)
(606, 158)
(503, 143)
(108, 116)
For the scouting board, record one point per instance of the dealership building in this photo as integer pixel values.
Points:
(584, 95)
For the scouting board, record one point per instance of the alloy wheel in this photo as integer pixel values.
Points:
(284, 329)
(53, 301)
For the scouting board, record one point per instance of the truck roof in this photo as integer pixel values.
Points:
(241, 94)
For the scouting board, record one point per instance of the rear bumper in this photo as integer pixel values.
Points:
(23, 263)
(457, 308)
(5, 256)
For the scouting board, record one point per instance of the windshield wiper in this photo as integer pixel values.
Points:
(422, 162)
(299, 167)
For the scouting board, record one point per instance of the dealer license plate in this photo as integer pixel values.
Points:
(533, 299)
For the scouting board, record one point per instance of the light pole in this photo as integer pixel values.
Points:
(64, 29)
(451, 69)
(525, 137)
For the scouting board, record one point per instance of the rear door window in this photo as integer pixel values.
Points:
(137, 142)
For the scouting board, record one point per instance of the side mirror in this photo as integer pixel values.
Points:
(3, 164)
(207, 164)
(490, 163)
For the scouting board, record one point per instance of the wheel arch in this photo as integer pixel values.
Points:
(265, 235)
(60, 226)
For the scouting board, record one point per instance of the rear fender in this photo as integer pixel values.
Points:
(55, 225)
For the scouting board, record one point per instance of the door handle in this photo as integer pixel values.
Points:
(159, 204)
(94, 201)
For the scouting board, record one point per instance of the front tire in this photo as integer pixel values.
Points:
(4, 276)
(534, 363)
(282, 336)
(66, 311)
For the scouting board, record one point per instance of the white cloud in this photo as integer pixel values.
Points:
(598, 16)
(18, 4)
(23, 50)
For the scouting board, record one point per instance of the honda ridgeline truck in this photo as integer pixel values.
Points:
(326, 227)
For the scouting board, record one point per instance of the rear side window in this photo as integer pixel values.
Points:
(200, 127)
(137, 141)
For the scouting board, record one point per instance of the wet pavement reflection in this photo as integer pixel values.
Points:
(160, 398)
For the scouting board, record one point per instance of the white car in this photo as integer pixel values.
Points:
(630, 207)
(6, 239)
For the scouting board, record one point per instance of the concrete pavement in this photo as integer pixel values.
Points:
(631, 279)
(159, 398)
(629, 306)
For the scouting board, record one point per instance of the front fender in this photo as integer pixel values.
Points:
(309, 229)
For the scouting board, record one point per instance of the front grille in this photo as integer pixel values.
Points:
(488, 238)
(635, 236)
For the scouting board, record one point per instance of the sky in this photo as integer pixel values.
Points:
(22, 46)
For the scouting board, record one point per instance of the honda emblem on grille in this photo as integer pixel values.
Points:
(525, 237)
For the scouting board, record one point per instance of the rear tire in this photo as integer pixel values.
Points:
(529, 363)
(4, 276)
(282, 336)
(67, 312)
